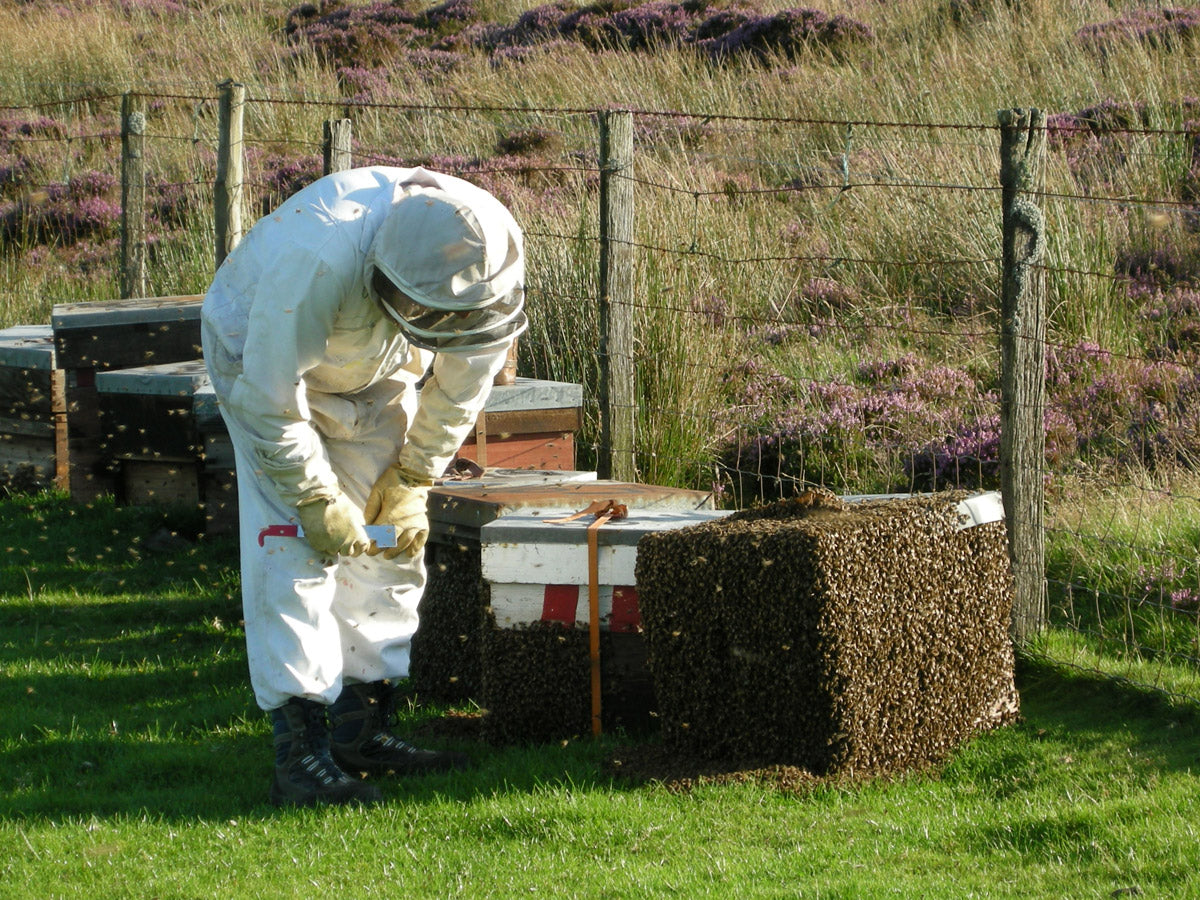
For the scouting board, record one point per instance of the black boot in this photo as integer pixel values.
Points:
(305, 774)
(363, 742)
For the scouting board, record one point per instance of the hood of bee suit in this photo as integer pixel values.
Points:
(452, 267)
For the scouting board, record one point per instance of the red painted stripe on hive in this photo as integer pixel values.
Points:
(626, 617)
(559, 602)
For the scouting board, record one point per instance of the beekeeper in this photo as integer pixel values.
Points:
(316, 331)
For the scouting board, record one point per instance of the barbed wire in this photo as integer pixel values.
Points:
(830, 170)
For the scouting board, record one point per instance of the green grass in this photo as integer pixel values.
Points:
(1115, 556)
(133, 763)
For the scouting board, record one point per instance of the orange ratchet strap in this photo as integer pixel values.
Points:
(603, 510)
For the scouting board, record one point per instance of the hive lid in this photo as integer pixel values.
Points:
(523, 548)
(534, 393)
(534, 527)
(176, 379)
(190, 377)
(459, 510)
(110, 313)
(27, 347)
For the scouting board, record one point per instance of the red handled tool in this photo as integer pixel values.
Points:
(384, 536)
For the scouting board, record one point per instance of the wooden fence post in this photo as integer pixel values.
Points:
(618, 399)
(337, 145)
(229, 185)
(133, 196)
(1023, 360)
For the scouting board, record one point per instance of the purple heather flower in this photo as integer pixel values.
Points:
(788, 34)
(1161, 29)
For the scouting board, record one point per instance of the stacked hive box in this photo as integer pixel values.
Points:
(91, 338)
(536, 662)
(528, 424)
(32, 410)
(446, 652)
(162, 436)
(842, 639)
(218, 479)
(142, 421)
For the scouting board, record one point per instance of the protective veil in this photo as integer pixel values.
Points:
(318, 387)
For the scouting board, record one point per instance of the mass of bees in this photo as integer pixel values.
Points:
(537, 684)
(444, 664)
(843, 639)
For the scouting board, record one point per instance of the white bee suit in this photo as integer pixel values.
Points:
(318, 387)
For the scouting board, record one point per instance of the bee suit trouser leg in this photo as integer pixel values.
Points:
(313, 622)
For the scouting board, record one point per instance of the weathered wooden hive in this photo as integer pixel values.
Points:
(446, 651)
(32, 409)
(536, 653)
(91, 338)
(842, 638)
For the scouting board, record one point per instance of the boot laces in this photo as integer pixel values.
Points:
(385, 740)
(317, 762)
(321, 767)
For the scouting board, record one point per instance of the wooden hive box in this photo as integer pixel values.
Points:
(536, 659)
(32, 409)
(218, 477)
(446, 653)
(149, 435)
(852, 639)
(529, 424)
(95, 337)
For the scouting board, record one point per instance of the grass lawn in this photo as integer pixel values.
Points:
(134, 764)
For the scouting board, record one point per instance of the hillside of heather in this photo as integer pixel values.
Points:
(817, 199)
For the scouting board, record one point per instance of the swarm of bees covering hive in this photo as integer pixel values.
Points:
(842, 638)
(537, 683)
(445, 656)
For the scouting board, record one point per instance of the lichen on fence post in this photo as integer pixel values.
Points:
(1023, 355)
(336, 145)
(133, 195)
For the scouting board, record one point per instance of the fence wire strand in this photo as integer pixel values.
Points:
(817, 304)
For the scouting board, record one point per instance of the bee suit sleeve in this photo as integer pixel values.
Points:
(451, 401)
(286, 329)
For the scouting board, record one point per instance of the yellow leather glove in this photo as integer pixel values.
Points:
(400, 498)
(334, 526)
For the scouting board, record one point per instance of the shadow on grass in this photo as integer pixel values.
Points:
(224, 770)
(212, 758)
(1089, 708)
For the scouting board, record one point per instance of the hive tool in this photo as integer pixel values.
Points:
(384, 536)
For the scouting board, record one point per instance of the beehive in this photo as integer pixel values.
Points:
(841, 638)
(148, 432)
(32, 409)
(535, 637)
(528, 424)
(446, 653)
(95, 337)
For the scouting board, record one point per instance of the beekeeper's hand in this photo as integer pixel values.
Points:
(334, 525)
(400, 497)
